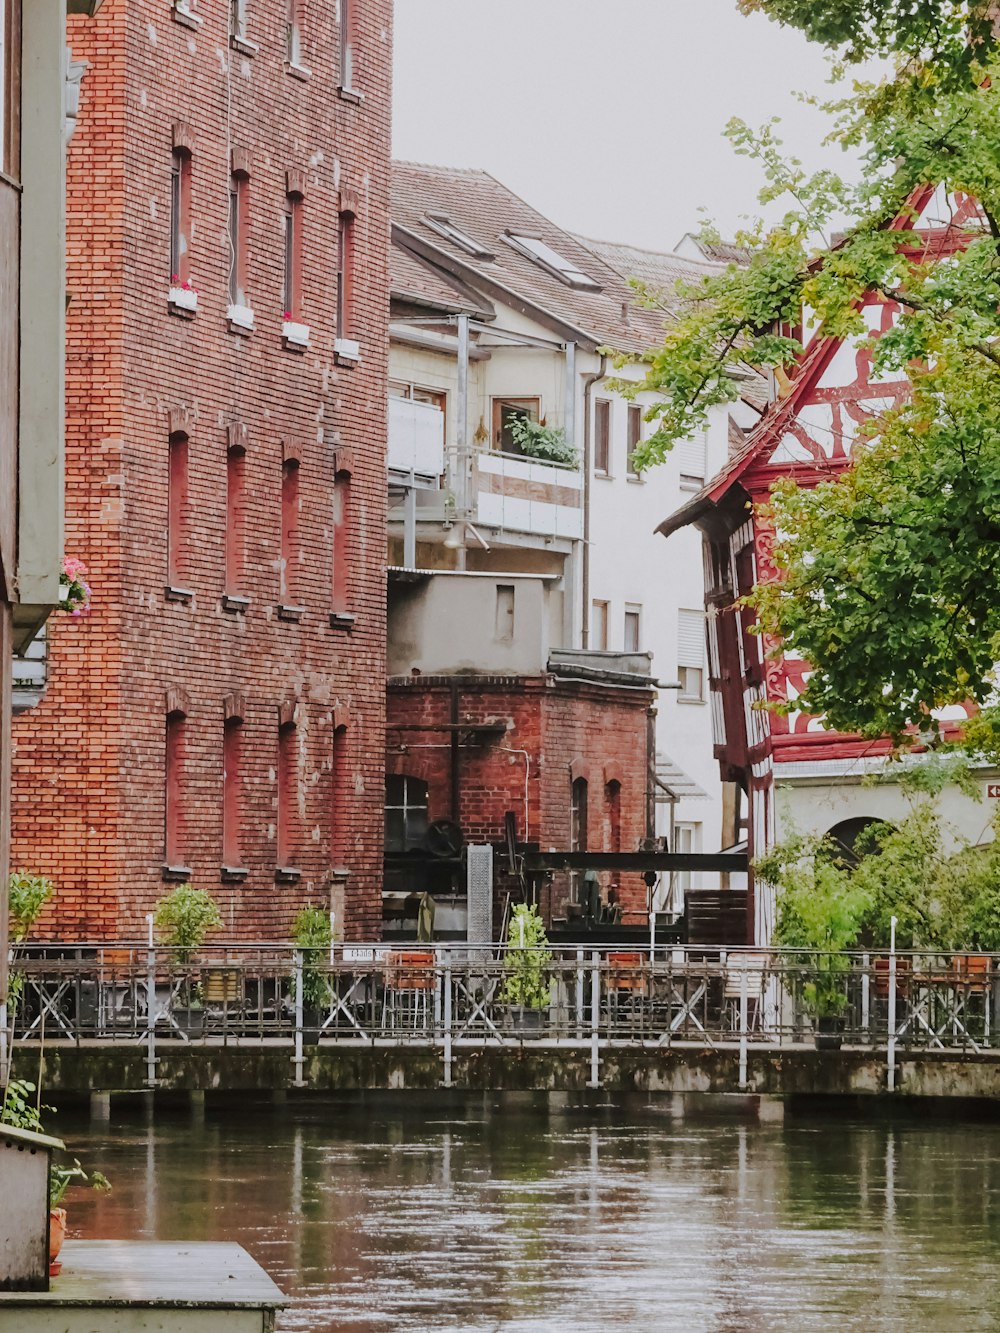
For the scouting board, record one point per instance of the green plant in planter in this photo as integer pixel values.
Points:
(546, 443)
(528, 955)
(186, 915)
(311, 933)
(61, 1177)
(26, 896)
(821, 908)
(23, 1111)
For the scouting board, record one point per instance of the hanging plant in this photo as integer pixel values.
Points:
(74, 590)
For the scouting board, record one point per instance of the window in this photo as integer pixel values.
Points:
(444, 226)
(578, 816)
(10, 11)
(294, 47)
(599, 626)
(348, 45)
(339, 791)
(503, 628)
(236, 457)
(293, 258)
(691, 458)
(613, 803)
(506, 410)
(691, 655)
(286, 829)
(405, 812)
(232, 788)
(238, 19)
(174, 787)
(239, 219)
(602, 436)
(180, 218)
(634, 435)
(687, 838)
(633, 628)
(535, 249)
(177, 510)
(345, 277)
(340, 518)
(289, 565)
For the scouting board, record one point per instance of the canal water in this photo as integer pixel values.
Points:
(701, 1215)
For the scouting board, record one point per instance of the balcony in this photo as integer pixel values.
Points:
(519, 494)
(416, 438)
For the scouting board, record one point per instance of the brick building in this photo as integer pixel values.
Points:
(218, 716)
(488, 715)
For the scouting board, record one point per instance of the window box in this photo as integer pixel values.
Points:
(244, 47)
(240, 318)
(291, 613)
(347, 350)
(287, 875)
(350, 95)
(232, 602)
(233, 874)
(342, 620)
(295, 335)
(183, 300)
(183, 595)
(297, 71)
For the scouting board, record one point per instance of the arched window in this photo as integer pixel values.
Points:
(578, 829)
(852, 839)
(405, 812)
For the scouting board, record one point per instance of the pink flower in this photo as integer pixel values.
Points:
(286, 314)
(73, 568)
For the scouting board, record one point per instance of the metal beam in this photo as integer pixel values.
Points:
(734, 863)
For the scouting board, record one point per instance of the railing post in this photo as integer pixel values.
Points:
(150, 1017)
(743, 1027)
(595, 1021)
(579, 994)
(866, 1016)
(447, 1020)
(891, 1043)
(298, 1059)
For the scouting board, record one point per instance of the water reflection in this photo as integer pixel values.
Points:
(521, 1214)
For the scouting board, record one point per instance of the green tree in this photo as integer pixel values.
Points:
(891, 586)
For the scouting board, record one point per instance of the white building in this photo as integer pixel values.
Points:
(499, 316)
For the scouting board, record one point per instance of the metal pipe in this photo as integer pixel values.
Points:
(588, 383)
(460, 478)
(455, 737)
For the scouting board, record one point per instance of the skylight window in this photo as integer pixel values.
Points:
(552, 261)
(444, 226)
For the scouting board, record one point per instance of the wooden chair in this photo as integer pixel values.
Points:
(754, 967)
(410, 981)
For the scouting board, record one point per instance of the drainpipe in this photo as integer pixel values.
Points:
(588, 383)
(460, 480)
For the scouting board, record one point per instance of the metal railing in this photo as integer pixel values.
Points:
(454, 996)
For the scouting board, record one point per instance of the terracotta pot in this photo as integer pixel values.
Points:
(57, 1232)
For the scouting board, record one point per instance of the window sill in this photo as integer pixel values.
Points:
(233, 874)
(691, 487)
(297, 71)
(342, 620)
(244, 47)
(346, 351)
(176, 874)
(636, 481)
(690, 699)
(239, 319)
(287, 875)
(350, 95)
(182, 301)
(231, 602)
(290, 613)
(295, 335)
(603, 476)
(182, 595)
(184, 16)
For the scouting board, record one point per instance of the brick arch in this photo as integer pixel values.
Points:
(234, 706)
(177, 700)
(579, 768)
(180, 422)
(613, 773)
(340, 717)
(410, 766)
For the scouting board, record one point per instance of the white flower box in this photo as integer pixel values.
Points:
(240, 315)
(184, 298)
(295, 333)
(348, 349)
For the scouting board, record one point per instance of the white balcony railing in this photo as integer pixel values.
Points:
(416, 438)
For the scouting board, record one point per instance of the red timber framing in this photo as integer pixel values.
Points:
(807, 435)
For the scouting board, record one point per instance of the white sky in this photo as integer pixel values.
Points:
(607, 117)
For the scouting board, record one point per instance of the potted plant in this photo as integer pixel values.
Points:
(526, 987)
(546, 443)
(313, 937)
(185, 916)
(821, 908)
(23, 1110)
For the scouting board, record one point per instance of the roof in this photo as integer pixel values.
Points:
(673, 776)
(717, 252)
(414, 280)
(486, 210)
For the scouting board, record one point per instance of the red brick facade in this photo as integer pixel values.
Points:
(90, 760)
(558, 731)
